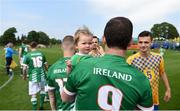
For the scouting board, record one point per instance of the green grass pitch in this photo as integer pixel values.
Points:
(14, 96)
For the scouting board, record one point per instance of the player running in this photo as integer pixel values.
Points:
(35, 61)
(83, 40)
(108, 82)
(152, 65)
(23, 50)
(57, 76)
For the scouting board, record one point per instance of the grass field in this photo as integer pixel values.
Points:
(14, 96)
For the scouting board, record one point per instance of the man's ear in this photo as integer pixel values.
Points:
(104, 40)
(131, 42)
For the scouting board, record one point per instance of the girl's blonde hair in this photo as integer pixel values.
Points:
(83, 30)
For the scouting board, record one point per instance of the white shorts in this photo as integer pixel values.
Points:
(46, 88)
(21, 63)
(21, 60)
(35, 87)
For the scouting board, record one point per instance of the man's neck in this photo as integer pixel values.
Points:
(33, 49)
(145, 54)
(68, 54)
(116, 51)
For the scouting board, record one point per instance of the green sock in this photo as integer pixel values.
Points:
(47, 96)
(34, 103)
(42, 100)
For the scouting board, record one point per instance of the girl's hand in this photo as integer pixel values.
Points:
(68, 66)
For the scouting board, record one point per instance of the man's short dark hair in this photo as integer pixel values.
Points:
(145, 34)
(33, 44)
(68, 38)
(96, 38)
(118, 32)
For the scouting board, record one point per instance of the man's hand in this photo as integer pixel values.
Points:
(167, 95)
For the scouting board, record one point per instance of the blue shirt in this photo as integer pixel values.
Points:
(9, 52)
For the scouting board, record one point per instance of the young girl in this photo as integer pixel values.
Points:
(83, 40)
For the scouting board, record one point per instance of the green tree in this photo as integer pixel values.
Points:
(33, 36)
(9, 36)
(165, 30)
(23, 37)
(1, 40)
(18, 40)
(54, 41)
(43, 38)
(39, 37)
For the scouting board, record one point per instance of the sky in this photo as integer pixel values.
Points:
(58, 18)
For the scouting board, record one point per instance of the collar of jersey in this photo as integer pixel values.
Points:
(81, 54)
(114, 56)
(67, 57)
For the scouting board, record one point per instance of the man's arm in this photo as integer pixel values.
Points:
(25, 67)
(20, 53)
(52, 99)
(167, 95)
(46, 66)
(67, 96)
(25, 71)
(129, 60)
(162, 72)
(45, 63)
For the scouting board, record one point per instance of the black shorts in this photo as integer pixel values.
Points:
(8, 61)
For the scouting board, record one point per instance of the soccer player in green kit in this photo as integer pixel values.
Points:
(36, 63)
(57, 76)
(108, 82)
(23, 50)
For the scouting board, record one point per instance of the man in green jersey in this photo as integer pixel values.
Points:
(36, 63)
(108, 82)
(23, 50)
(57, 76)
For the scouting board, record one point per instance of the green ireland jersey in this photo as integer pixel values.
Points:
(78, 58)
(56, 79)
(35, 60)
(24, 50)
(108, 83)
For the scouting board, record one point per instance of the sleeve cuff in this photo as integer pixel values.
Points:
(25, 65)
(145, 108)
(50, 88)
(68, 92)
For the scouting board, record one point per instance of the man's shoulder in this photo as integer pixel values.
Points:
(37, 52)
(58, 64)
(8, 48)
(134, 56)
(155, 54)
(28, 54)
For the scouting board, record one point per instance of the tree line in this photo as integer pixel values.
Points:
(40, 37)
(163, 30)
